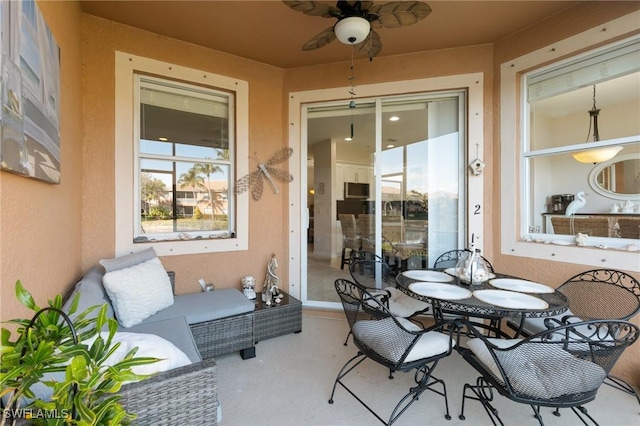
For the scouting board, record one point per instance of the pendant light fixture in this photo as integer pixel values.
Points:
(596, 155)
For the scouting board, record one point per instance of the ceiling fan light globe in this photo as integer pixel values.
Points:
(352, 30)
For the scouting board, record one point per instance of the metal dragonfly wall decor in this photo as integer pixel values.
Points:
(254, 180)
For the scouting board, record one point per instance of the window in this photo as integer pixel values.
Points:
(546, 110)
(185, 133)
(184, 161)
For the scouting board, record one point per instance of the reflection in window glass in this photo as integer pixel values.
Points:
(184, 157)
(560, 102)
(421, 178)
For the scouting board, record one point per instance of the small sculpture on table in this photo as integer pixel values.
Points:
(270, 289)
(248, 287)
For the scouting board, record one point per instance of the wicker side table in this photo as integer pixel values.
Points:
(277, 319)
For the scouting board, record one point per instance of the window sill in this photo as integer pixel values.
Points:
(598, 257)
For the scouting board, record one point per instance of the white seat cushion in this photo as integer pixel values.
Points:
(542, 374)
(401, 305)
(374, 334)
(533, 326)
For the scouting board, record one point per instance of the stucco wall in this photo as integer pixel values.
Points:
(268, 219)
(40, 222)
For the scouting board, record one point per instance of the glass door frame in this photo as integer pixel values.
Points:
(473, 194)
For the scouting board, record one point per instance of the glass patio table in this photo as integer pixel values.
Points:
(499, 297)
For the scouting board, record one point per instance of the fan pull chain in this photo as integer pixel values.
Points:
(352, 92)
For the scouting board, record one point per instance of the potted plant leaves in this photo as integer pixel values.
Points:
(65, 357)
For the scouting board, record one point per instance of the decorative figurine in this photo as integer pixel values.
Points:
(581, 239)
(270, 287)
(248, 287)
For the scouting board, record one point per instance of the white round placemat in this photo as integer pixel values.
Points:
(523, 286)
(510, 299)
(440, 290)
(426, 275)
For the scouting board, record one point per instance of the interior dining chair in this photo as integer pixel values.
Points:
(366, 224)
(449, 259)
(596, 294)
(560, 368)
(417, 260)
(351, 239)
(392, 342)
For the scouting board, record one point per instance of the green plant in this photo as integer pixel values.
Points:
(48, 344)
(159, 211)
(197, 214)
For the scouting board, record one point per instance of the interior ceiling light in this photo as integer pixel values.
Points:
(352, 30)
(394, 118)
(163, 139)
(596, 155)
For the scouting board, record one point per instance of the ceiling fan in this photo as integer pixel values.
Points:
(357, 21)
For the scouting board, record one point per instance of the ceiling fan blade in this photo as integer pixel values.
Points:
(322, 39)
(371, 45)
(314, 8)
(397, 14)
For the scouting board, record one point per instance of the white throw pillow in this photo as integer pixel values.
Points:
(149, 345)
(139, 291)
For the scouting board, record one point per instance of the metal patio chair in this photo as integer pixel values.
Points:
(392, 342)
(595, 294)
(560, 368)
(374, 274)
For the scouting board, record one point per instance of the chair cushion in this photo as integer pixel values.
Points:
(175, 330)
(92, 293)
(128, 260)
(205, 306)
(533, 326)
(374, 334)
(401, 305)
(139, 291)
(546, 373)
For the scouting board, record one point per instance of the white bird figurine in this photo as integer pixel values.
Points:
(573, 207)
(576, 204)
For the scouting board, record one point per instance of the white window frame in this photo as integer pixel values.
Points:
(514, 176)
(126, 168)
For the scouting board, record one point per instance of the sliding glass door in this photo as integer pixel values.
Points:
(394, 167)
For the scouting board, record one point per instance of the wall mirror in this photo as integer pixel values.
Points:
(618, 178)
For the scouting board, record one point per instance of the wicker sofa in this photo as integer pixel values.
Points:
(202, 325)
